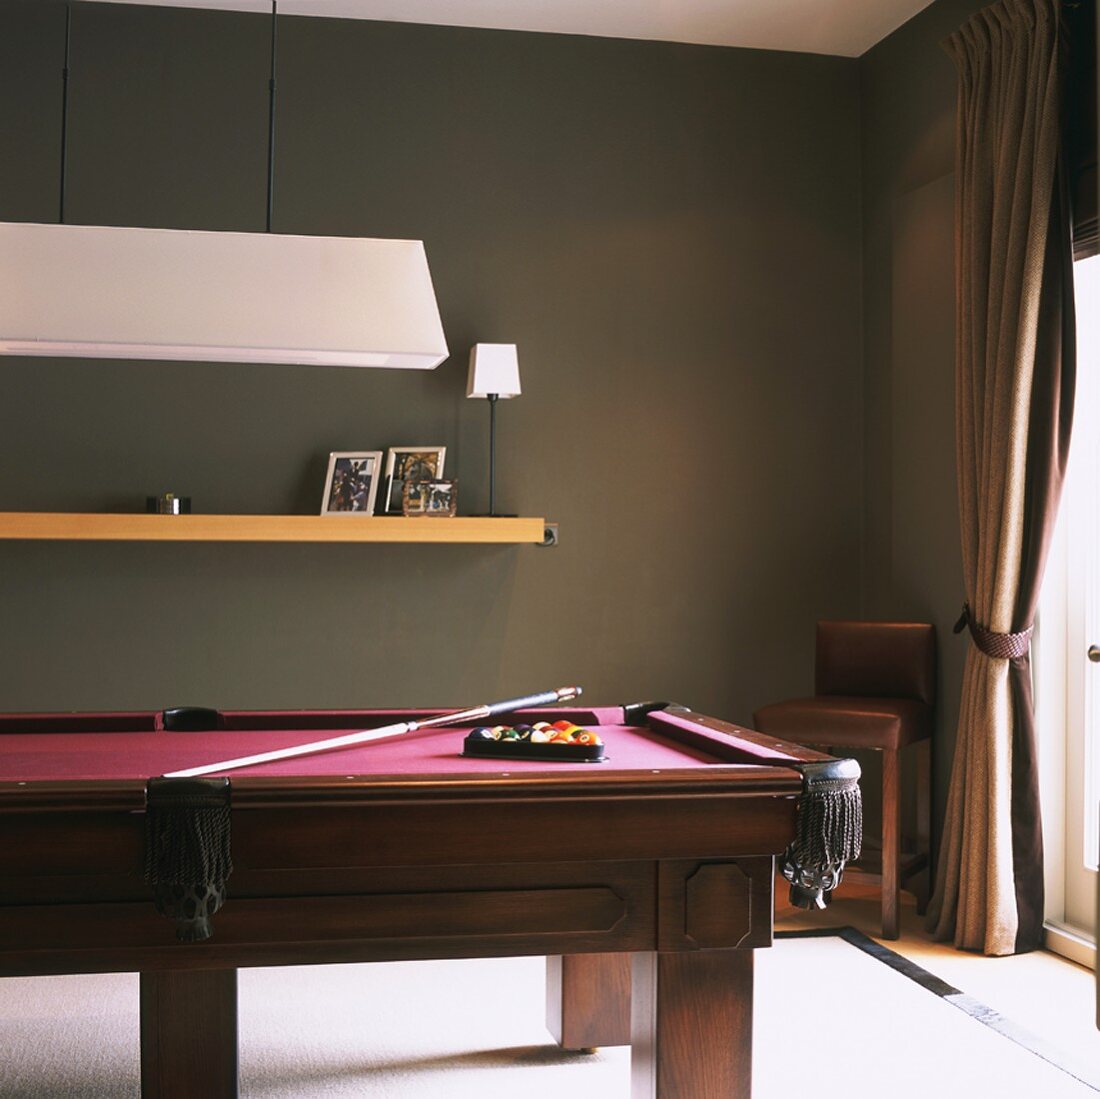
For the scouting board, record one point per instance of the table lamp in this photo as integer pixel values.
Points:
(494, 373)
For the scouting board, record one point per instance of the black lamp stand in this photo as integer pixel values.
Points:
(493, 398)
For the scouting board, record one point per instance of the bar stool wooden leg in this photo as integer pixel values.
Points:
(924, 817)
(891, 844)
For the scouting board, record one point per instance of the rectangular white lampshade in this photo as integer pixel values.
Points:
(121, 293)
(494, 368)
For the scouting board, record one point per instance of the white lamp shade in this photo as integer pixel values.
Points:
(494, 368)
(122, 293)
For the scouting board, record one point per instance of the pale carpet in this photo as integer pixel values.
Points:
(831, 1021)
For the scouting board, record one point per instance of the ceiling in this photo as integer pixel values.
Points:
(846, 28)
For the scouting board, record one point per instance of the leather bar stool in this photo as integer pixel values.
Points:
(874, 687)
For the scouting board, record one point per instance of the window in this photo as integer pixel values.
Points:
(1067, 681)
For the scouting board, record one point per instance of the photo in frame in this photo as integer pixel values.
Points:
(437, 498)
(352, 482)
(410, 463)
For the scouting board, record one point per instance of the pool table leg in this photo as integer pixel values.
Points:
(692, 1025)
(189, 1034)
(588, 1000)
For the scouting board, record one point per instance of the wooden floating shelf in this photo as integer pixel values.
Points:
(98, 527)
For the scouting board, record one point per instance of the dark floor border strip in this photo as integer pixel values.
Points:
(966, 1004)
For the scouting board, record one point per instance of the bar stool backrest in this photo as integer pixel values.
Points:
(876, 660)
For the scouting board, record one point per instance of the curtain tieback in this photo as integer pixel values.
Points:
(999, 646)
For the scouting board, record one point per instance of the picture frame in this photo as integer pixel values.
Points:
(437, 498)
(351, 485)
(410, 463)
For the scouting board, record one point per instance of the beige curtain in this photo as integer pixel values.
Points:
(1014, 386)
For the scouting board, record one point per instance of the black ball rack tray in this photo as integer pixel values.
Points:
(524, 749)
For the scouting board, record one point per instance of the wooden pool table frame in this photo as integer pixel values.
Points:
(647, 890)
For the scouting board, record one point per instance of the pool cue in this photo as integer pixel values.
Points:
(478, 713)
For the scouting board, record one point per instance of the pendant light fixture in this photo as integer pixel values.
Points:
(130, 293)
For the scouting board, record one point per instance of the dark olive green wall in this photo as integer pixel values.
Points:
(912, 564)
(671, 234)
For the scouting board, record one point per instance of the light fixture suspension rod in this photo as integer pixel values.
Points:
(271, 116)
(65, 111)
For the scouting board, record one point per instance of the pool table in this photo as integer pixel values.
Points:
(645, 879)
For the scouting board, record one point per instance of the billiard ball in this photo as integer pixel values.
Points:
(482, 732)
(539, 736)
